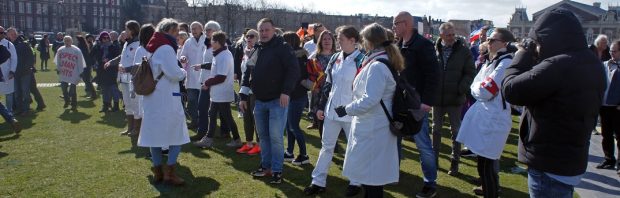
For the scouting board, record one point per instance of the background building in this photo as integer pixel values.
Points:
(593, 18)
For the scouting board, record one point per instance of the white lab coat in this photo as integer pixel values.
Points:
(343, 72)
(207, 57)
(486, 125)
(194, 51)
(163, 122)
(8, 86)
(371, 157)
(127, 57)
(139, 99)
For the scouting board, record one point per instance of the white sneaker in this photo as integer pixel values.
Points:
(205, 142)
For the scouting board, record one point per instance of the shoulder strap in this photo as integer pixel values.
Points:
(387, 114)
(358, 60)
(330, 65)
(387, 64)
(495, 66)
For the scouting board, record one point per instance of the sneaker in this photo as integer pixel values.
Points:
(467, 153)
(288, 157)
(240, 115)
(276, 178)
(301, 159)
(245, 148)
(65, 105)
(235, 143)
(352, 191)
(607, 164)
(427, 192)
(255, 150)
(205, 142)
(478, 191)
(313, 190)
(16, 126)
(261, 172)
(126, 132)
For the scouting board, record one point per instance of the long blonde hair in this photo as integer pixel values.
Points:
(375, 36)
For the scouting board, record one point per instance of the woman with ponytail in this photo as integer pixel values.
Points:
(372, 157)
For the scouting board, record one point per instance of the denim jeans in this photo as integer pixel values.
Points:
(69, 93)
(192, 104)
(295, 110)
(204, 102)
(270, 122)
(173, 154)
(6, 114)
(110, 92)
(10, 99)
(427, 154)
(22, 90)
(542, 186)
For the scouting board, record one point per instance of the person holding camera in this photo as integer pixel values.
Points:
(561, 84)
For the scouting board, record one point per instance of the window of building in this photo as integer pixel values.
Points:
(20, 7)
(29, 22)
(39, 22)
(100, 11)
(21, 22)
(94, 11)
(44, 9)
(28, 7)
(84, 10)
(11, 6)
(95, 24)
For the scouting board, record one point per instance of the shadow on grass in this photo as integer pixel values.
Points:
(194, 186)
(139, 152)
(86, 104)
(13, 137)
(74, 117)
(113, 119)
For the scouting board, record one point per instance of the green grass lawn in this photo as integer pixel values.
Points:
(81, 154)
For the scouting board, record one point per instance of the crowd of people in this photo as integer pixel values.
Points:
(346, 79)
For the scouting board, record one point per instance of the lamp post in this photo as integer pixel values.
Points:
(62, 15)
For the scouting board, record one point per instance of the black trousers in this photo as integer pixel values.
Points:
(222, 109)
(373, 191)
(610, 127)
(488, 177)
(249, 125)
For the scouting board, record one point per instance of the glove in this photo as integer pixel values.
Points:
(341, 111)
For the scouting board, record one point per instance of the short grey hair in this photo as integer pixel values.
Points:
(195, 23)
(166, 24)
(183, 34)
(599, 38)
(67, 38)
(213, 25)
(446, 26)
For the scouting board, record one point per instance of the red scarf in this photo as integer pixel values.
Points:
(158, 39)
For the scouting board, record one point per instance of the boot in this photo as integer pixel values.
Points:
(130, 125)
(137, 124)
(115, 108)
(158, 174)
(105, 108)
(170, 177)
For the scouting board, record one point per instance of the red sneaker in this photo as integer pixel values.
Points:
(244, 149)
(255, 150)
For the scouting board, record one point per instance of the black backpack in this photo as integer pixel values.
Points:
(406, 118)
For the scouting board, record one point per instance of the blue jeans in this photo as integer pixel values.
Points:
(427, 154)
(542, 186)
(296, 109)
(192, 104)
(270, 122)
(173, 154)
(10, 99)
(110, 92)
(6, 114)
(22, 89)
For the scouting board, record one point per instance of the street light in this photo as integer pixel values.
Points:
(62, 15)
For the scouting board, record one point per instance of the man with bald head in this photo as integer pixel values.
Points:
(7, 87)
(421, 71)
(23, 72)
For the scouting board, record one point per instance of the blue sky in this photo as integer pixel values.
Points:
(499, 11)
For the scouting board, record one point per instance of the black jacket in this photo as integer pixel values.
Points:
(276, 71)
(302, 58)
(105, 76)
(456, 76)
(562, 94)
(237, 52)
(421, 67)
(25, 57)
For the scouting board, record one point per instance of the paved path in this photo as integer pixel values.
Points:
(597, 183)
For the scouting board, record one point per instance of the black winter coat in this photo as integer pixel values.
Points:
(421, 67)
(456, 76)
(105, 76)
(562, 94)
(25, 57)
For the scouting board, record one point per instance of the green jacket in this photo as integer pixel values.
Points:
(456, 76)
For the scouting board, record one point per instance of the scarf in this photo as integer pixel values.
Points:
(160, 39)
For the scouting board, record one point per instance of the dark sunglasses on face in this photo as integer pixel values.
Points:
(250, 36)
(491, 40)
(2, 33)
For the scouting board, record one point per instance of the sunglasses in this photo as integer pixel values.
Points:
(2, 33)
(491, 40)
(250, 36)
